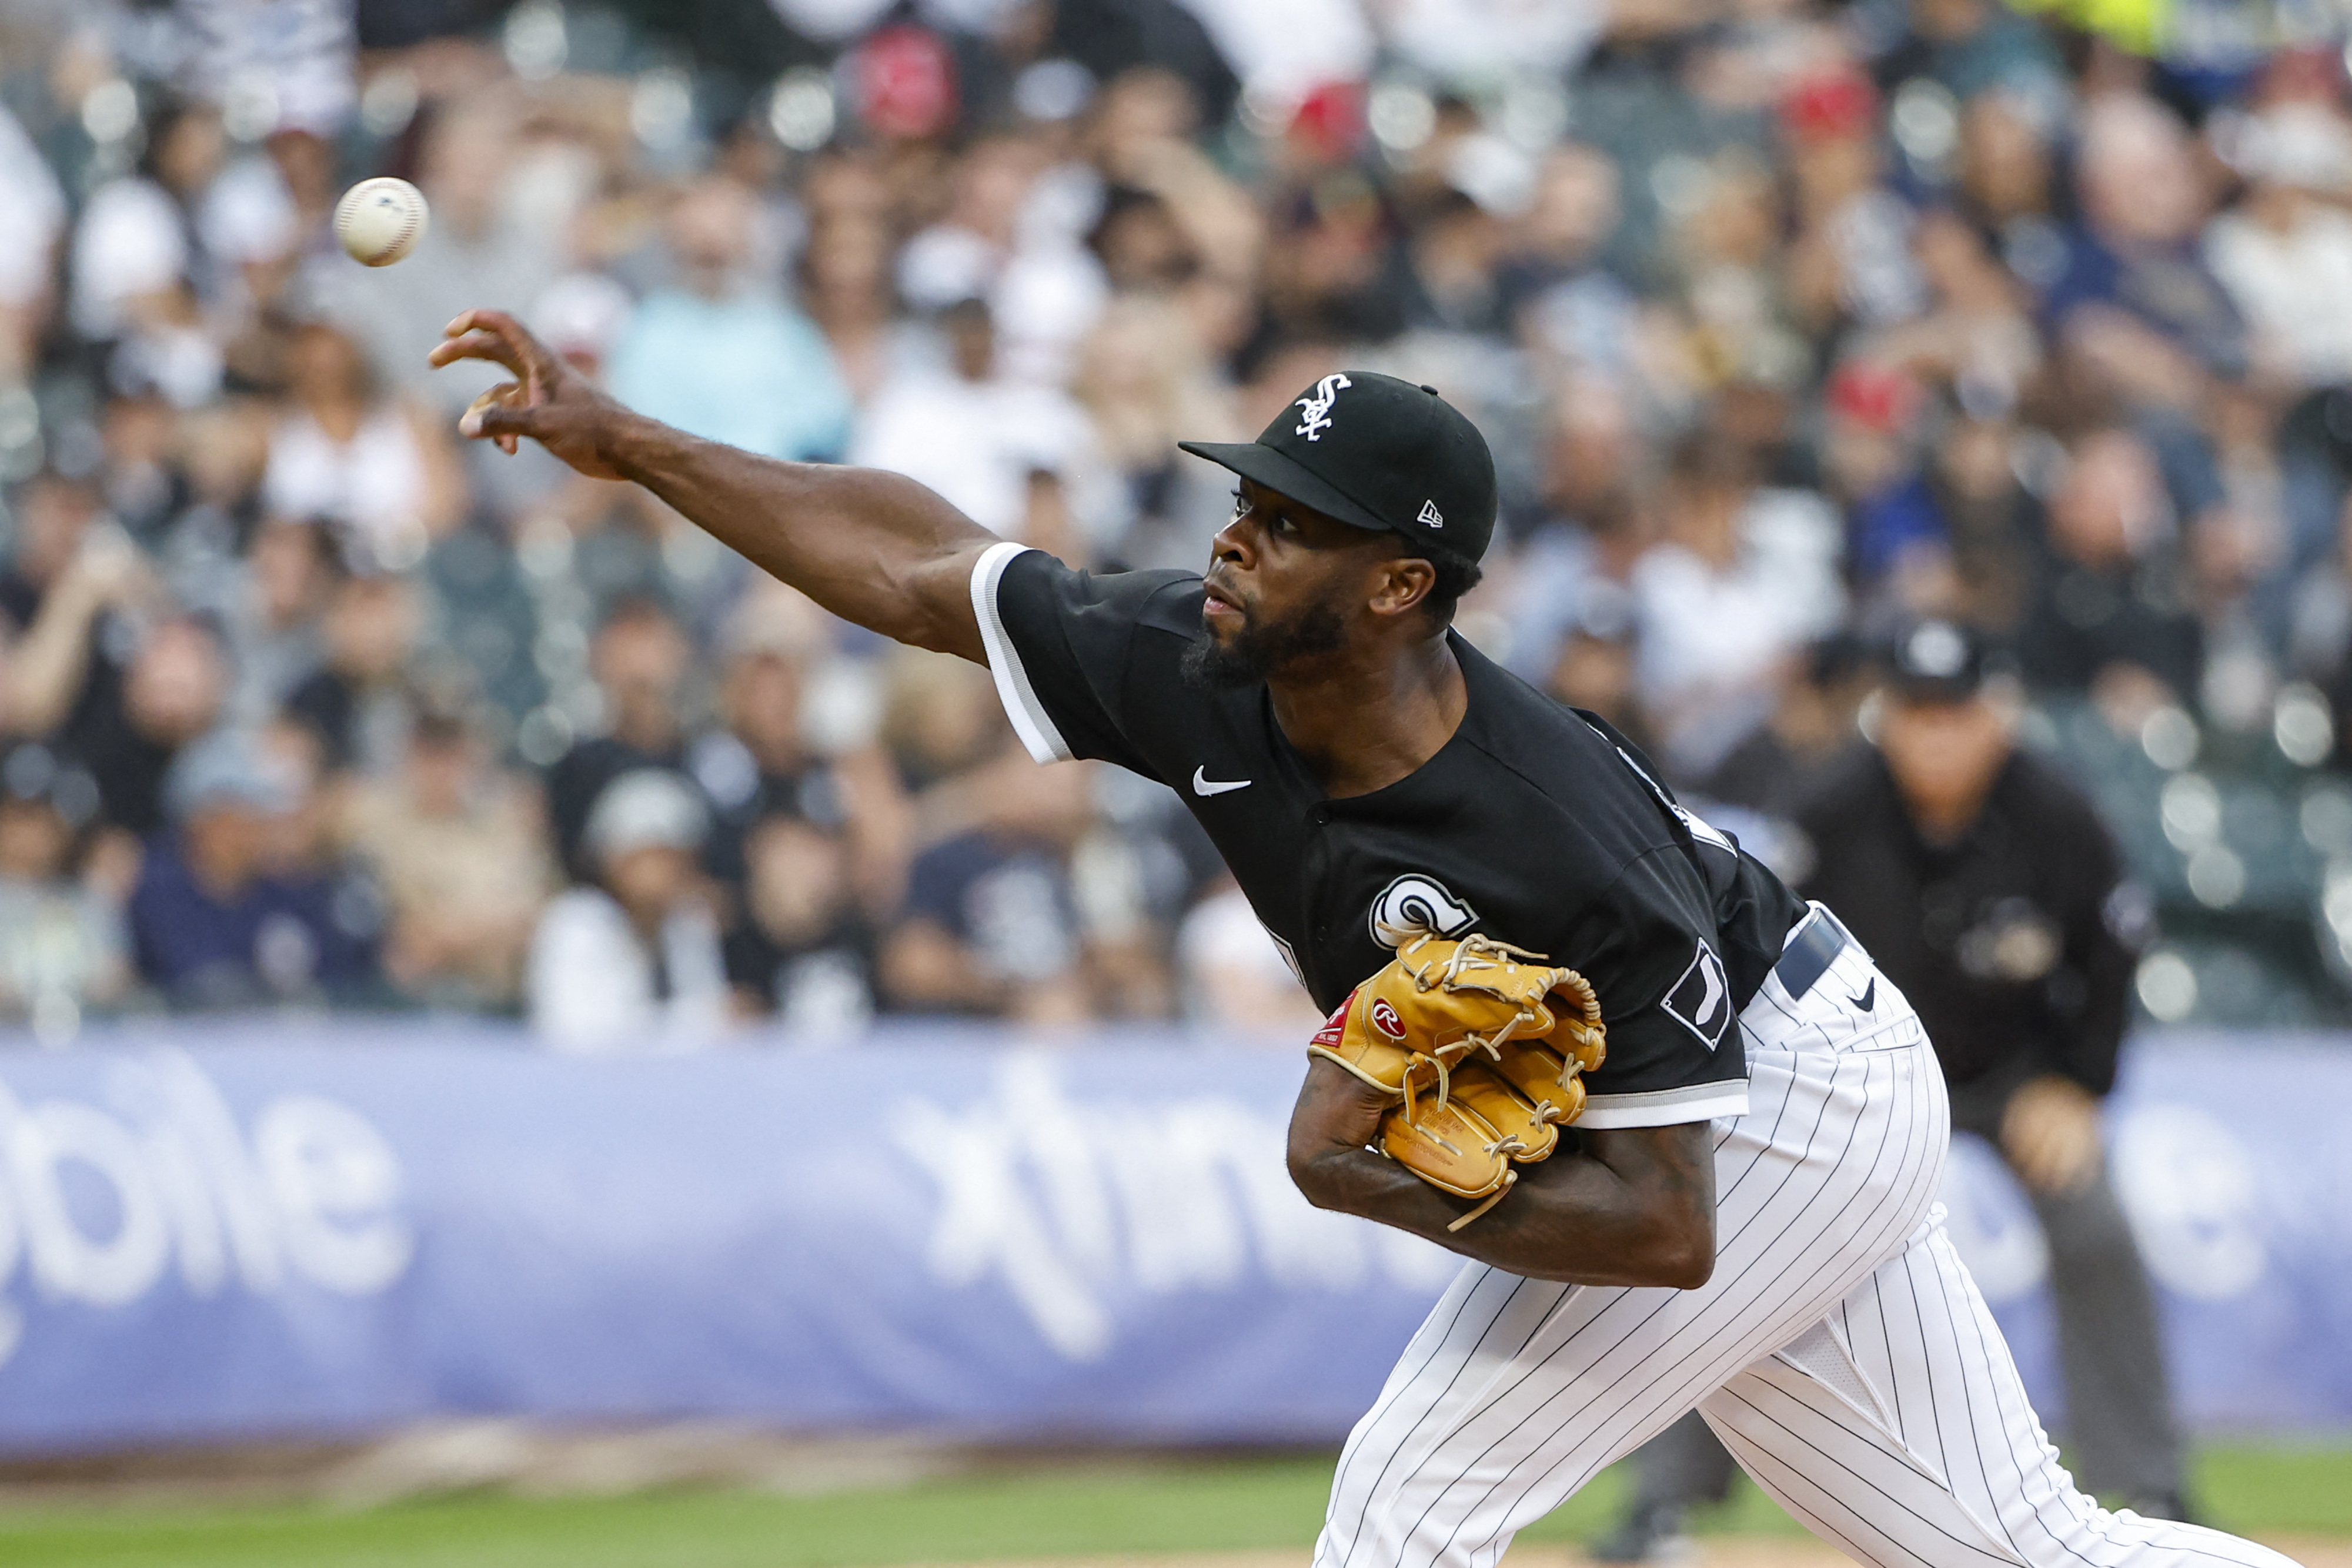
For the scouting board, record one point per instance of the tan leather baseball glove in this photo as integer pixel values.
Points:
(1483, 1048)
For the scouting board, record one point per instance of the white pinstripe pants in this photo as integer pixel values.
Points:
(1840, 1350)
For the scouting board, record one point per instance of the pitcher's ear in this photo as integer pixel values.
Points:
(1403, 585)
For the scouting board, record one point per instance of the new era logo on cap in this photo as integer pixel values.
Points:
(1431, 515)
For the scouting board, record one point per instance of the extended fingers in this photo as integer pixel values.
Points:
(478, 346)
(491, 335)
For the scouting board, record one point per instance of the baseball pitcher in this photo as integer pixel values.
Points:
(1686, 1134)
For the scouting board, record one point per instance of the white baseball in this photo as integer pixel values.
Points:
(379, 220)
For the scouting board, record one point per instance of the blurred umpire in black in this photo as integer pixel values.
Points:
(1987, 889)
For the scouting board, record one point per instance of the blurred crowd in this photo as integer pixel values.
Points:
(1787, 320)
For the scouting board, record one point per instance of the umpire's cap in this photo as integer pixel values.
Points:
(1936, 661)
(1375, 453)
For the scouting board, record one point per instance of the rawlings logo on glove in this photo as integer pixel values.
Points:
(1482, 1046)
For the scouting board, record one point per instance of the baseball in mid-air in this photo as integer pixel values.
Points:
(379, 220)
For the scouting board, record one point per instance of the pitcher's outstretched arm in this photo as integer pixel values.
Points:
(874, 548)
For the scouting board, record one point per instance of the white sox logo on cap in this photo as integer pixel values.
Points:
(1318, 404)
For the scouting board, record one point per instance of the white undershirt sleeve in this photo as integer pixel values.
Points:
(1667, 1107)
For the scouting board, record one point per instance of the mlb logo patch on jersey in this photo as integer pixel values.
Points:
(1701, 1000)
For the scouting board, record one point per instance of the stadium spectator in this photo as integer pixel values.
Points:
(1571, 571)
(70, 574)
(772, 758)
(1020, 459)
(380, 469)
(63, 948)
(846, 285)
(631, 961)
(1745, 577)
(989, 929)
(277, 637)
(138, 472)
(1235, 979)
(302, 841)
(2140, 317)
(2285, 253)
(1146, 380)
(53, 515)
(459, 849)
(129, 721)
(804, 949)
(1993, 523)
(2111, 616)
(2009, 186)
(1898, 543)
(1811, 727)
(717, 354)
(219, 918)
(355, 699)
(988, 920)
(32, 216)
(1562, 296)
(641, 659)
(1010, 238)
(1972, 47)
(136, 244)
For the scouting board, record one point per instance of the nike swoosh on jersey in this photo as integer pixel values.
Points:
(1204, 786)
(1869, 997)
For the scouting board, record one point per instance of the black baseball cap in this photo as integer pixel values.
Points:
(1375, 453)
(1936, 661)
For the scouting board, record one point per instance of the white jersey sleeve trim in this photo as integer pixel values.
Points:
(1030, 720)
(1667, 1107)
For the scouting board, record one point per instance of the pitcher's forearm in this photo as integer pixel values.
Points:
(874, 548)
(1570, 1218)
(1629, 1206)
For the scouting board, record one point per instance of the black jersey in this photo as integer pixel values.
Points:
(2016, 941)
(1535, 824)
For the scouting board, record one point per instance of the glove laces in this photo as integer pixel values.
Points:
(1476, 952)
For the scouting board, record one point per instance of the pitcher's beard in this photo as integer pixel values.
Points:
(1258, 651)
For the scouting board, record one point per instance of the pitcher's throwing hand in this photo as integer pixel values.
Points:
(550, 401)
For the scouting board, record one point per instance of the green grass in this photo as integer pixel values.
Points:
(2277, 1488)
(1206, 1507)
(1210, 1505)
